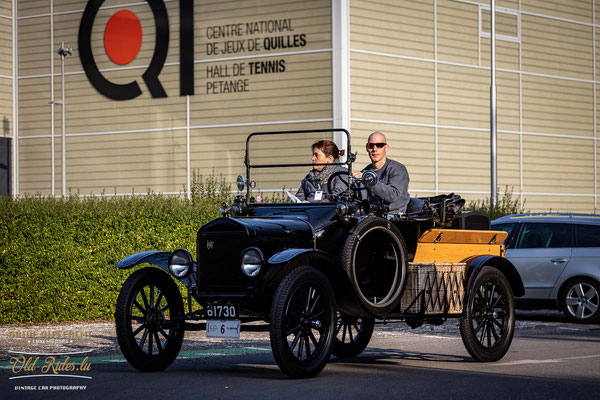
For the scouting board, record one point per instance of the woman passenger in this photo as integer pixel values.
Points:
(313, 187)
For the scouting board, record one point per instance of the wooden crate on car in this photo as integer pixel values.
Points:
(456, 245)
(434, 288)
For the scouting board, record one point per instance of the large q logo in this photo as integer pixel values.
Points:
(122, 41)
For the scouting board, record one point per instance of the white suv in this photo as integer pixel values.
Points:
(558, 258)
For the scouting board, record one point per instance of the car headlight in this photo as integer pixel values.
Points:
(180, 263)
(252, 261)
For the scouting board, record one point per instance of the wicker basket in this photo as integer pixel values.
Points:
(434, 288)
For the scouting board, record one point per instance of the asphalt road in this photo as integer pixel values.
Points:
(549, 359)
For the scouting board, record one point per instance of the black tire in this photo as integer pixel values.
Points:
(302, 323)
(352, 335)
(375, 258)
(488, 321)
(145, 319)
(580, 301)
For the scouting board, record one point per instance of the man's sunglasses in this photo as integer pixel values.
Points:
(370, 145)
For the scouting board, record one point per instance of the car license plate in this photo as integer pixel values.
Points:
(224, 328)
(222, 311)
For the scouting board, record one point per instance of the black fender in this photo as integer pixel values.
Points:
(476, 263)
(282, 263)
(158, 258)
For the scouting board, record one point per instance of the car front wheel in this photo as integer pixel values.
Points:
(302, 323)
(580, 301)
(146, 320)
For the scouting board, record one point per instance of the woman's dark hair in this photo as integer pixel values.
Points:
(328, 148)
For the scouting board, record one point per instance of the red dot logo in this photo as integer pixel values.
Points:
(123, 37)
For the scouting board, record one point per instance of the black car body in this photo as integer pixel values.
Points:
(320, 274)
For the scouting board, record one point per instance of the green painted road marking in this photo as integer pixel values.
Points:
(182, 354)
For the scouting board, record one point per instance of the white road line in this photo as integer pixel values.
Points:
(439, 337)
(547, 361)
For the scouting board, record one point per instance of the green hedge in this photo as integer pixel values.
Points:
(58, 256)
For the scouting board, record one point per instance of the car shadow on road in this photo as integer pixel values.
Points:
(382, 356)
(540, 316)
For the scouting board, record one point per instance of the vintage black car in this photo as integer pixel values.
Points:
(321, 274)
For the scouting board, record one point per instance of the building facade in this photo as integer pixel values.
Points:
(157, 90)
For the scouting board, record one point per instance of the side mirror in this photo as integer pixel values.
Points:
(369, 178)
(241, 183)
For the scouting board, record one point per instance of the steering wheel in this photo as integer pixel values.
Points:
(356, 184)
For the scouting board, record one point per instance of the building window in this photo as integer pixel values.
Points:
(508, 24)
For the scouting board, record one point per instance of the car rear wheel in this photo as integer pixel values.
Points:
(352, 335)
(580, 301)
(488, 321)
(146, 320)
(302, 323)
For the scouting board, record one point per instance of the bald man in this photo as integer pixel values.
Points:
(392, 182)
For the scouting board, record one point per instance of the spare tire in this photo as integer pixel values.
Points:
(375, 258)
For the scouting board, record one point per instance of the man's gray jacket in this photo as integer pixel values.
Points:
(391, 186)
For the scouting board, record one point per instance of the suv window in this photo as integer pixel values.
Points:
(587, 235)
(508, 228)
(504, 227)
(542, 235)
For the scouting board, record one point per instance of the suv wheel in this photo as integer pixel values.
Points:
(580, 301)
(302, 323)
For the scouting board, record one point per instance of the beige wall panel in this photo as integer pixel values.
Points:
(578, 10)
(311, 18)
(464, 161)
(6, 107)
(6, 47)
(508, 178)
(391, 89)
(35, 166)
(558, 165)
(34, 110)
(89, 111)
(463, 96)
(556, 47)
(598, 48)
(413, 146)
(507, 54)
(557, 106)
(513, 4)
(26, 8)
(457, 32)
(119, 163)
(301, 91)
(61, 6)
(404, 28)
(507, 101)
(6, 8)
(223, 149)
(34, 46)
(577, 204)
